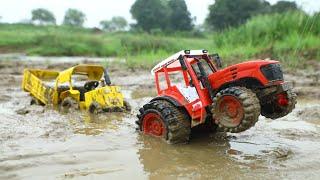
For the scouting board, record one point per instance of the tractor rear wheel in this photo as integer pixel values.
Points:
(235, 109)
(162, 119)
(282, 105)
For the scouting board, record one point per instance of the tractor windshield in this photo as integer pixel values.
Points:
(204, 64)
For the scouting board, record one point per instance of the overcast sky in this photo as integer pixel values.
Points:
(97, 10)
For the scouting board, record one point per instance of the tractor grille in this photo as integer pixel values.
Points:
(234, 72)
(272, 72)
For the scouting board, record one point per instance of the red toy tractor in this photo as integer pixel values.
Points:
(194, 89)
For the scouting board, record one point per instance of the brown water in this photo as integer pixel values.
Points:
(44, 144)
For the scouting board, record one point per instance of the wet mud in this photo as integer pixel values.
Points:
(37, 142)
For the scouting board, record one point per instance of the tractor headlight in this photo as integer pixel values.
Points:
(272, 72)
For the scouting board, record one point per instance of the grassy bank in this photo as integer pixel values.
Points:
(293, 38)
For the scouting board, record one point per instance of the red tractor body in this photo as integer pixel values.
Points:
(191, 82)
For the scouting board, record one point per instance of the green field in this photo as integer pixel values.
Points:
(293, 38)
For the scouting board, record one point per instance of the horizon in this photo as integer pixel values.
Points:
(97, 10)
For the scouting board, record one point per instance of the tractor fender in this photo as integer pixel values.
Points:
(174, 102)
(169, 99)
(248, 82)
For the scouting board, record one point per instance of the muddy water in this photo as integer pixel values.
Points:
(41, 143)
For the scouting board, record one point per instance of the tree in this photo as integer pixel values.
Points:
(179, 18)
(74, 17)
(43, 16)
(150, 14)
(282, 6)
(228, 13)
(106, 25)
(117, 23)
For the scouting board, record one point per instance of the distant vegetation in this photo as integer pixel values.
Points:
(160, 15)
(251, 29)
(230, 13)
(290, 37)
(43, 17)
(74, 17)
(117, 23)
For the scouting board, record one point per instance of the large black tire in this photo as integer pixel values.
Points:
(177, 123)
(273, 110)
(235, 109)
(69, 104)
(95, 108)
(127, 106)
(35, 101)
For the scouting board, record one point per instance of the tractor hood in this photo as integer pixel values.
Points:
(261, 70)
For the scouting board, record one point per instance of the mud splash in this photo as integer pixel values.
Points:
(45, 143)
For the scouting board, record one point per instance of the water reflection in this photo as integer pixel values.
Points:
(91, 124)
(204, 157)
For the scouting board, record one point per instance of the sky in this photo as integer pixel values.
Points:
(96, 10)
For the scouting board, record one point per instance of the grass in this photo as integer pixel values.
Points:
(293, 38)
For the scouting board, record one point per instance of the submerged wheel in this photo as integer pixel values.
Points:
(161, 119)
(280, 106)
(127, 106)
(69, 104)
(95, 108)
(235, 109)
(35, 101)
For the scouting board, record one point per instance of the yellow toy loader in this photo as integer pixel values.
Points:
(83, 86)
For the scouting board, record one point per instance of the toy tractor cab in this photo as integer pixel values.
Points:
(193, 90)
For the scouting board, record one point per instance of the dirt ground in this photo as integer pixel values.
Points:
(41, 143)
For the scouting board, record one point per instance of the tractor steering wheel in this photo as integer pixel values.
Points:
(91, 85)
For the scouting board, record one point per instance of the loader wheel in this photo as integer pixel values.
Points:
(95, 108)
(235, 109)
(35, 101)
(280, 106)
(69, 104)
(127, 106)
(160, 118)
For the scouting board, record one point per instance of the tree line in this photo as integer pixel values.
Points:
(173, 15)
(76, 18)
(230, 13)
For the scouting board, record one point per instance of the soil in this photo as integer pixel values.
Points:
(37, 142)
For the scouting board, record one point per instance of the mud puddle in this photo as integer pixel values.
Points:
(45, 144)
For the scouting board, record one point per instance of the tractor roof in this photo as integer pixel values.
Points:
(172, 61)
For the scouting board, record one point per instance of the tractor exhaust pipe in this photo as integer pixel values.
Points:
(205, 81)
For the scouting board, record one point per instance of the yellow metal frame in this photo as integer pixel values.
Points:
(106, 97)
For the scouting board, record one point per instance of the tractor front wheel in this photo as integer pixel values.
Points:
(235, 109)
(95, 108)
(280, 106)
(161, 119)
